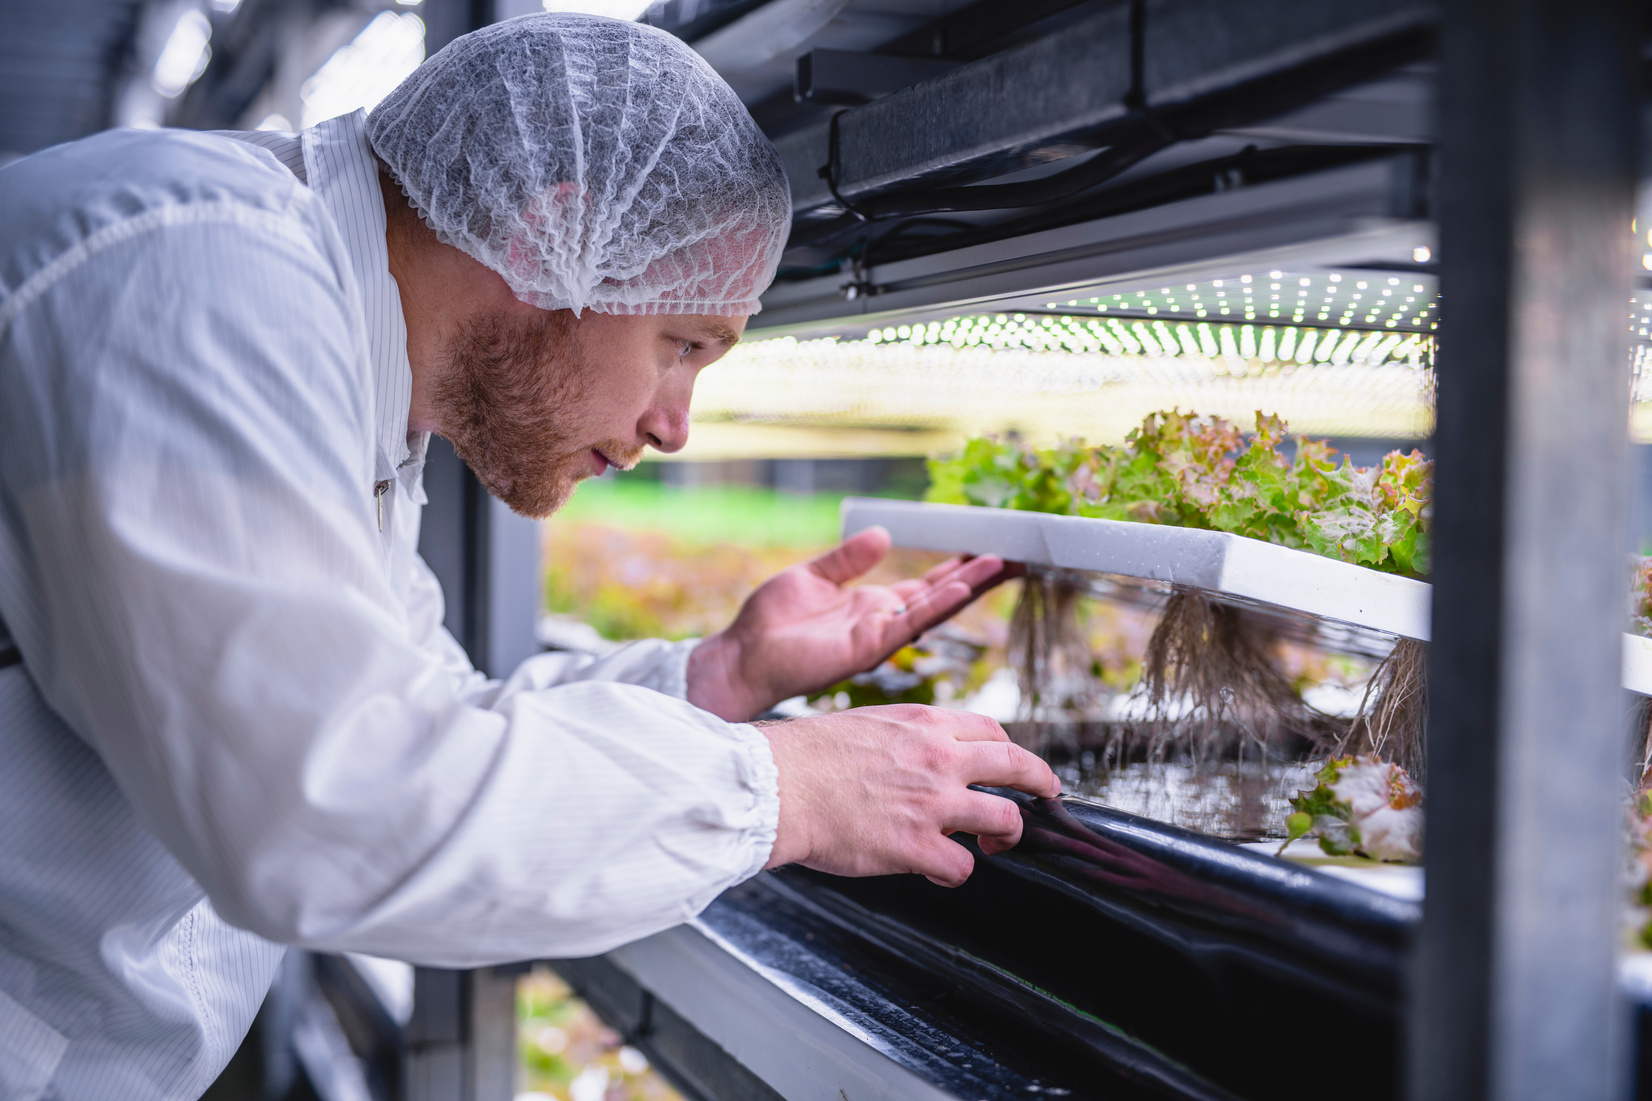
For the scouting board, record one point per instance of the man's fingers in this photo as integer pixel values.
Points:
(979, 574)
(943, 570)
(968, 571)
(988, 817)
(992, 846)
(967, 726)
(910, 589)
(852, 557)
(1006, 571)
(971, 571)
(945, 599)
(944, 862)
(905, 622)
(939, 595)
(1001, 765)
(925, 609)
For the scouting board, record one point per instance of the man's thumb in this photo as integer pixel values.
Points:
(853, 557)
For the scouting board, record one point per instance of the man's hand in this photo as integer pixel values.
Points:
(803, 630)
(877, 790)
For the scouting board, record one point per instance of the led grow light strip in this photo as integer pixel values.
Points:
(1358, 299)
(1156, 337)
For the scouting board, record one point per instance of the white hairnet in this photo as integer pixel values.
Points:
(593, 163)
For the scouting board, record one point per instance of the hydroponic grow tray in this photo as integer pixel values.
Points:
(1237, 569)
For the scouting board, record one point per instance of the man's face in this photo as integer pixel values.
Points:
(535, 401)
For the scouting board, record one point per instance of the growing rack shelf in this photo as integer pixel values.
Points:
(1233, 568)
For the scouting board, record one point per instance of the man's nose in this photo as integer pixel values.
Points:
(665, 424)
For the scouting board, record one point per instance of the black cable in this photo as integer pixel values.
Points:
(1145, 131)
(1136, 97)
(1154, 134)
(1183, 182)
(899, 229)
(828, 171)
(1050, 189)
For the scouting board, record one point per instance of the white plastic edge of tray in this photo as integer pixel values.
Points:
(1215, 561)
(1637, 664)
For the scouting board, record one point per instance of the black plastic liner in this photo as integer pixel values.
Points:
(1109, 956)
(1181, 964)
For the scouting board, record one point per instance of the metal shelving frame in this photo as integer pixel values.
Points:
(1513, 981)
(1511, 989)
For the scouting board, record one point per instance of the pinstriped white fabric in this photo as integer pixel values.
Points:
(239, 722)
(286, 146)
(118, 939)
(347, 179)
(346, 176)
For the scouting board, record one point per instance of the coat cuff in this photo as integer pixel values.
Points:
(762, 779)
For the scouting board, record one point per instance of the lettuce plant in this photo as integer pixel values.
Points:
(1361, 806)
(1200, 472)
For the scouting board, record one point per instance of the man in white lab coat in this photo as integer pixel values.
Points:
(231, 720)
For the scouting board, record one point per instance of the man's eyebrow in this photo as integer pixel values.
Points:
(718, 330)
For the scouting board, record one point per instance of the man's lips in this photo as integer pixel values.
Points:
(600, 463)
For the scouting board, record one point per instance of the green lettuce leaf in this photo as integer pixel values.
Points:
(1197, 471)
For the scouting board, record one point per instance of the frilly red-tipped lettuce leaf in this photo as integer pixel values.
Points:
(1361, 806)
(1200, 472)
(1640, 608)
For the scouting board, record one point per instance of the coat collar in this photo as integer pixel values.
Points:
(344, 173)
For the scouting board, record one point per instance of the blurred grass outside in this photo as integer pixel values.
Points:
(748, 516)
(637, 558)
(630, 583)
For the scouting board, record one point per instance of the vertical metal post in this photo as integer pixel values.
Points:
(461, 1042)
(1514, 983)
(514, 595)
(487, 560)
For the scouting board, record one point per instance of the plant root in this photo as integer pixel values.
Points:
(1393, 714)
(1640, 728)
(1049, 647)
(1211, 680)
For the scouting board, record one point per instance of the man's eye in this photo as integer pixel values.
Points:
(684, 348)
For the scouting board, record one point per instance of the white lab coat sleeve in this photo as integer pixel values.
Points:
(186, 487)
(651, 663)
(425, 608)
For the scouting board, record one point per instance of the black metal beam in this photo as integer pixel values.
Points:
(988, 26)
(970, 33)
(1150, 70)
(1514, 977)
(1356, 213)
(691, 20)
(846, 77)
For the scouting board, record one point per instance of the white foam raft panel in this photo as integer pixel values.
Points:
(1637, 664)
(1241, 570)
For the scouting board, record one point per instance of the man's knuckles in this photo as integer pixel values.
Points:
(1020, 764)
(993, 730)
(986, 816)
(1004, 819)
(936, 757)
